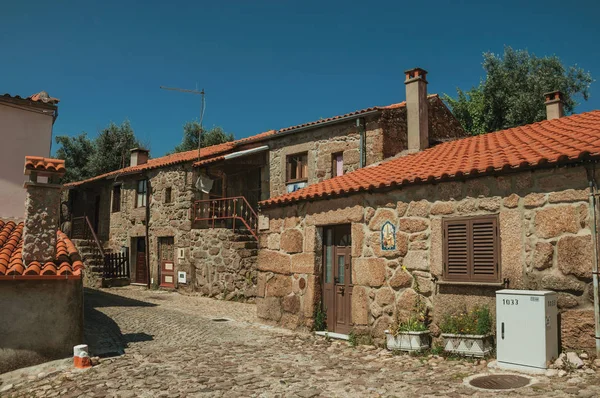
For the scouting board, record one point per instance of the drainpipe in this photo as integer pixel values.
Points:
(360, 125)
(592, 205)
(148, 196)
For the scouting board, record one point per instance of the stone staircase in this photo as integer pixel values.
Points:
(92, 260)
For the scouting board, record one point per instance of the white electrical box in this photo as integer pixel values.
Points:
(181, 277)
(526, 329)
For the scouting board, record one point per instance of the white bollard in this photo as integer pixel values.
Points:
(81, 358)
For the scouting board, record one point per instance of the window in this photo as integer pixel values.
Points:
(142, 190)
(297, 167)
(168, 193)
(337, 164)
(471, 249)
(116, 199)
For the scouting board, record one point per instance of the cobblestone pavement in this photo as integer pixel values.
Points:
(173, 348)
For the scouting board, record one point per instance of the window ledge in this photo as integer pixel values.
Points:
(453, 283)
(296, 181)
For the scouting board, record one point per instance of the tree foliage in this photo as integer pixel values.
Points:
(512, 92)
(112, 148)
(214, 136)
(85, 158)
(75, 151)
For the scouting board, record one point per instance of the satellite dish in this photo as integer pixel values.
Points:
(204, 183)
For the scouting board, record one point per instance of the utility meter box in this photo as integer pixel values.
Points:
(526, 329)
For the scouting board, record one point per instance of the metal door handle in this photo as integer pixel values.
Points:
(342, 290)
(502, 327)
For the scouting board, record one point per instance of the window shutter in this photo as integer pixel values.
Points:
(471, 249)
(304, 166)
(288, 167)
(484, 249)
(456, 250)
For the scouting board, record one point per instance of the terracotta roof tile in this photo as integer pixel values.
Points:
(168, 160)
(533, 145)
(210, 154)
(41, 164)
(42, 96)
(66, 263)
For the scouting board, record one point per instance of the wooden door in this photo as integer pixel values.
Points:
(141, 268)
(337, 278)
(166, 254)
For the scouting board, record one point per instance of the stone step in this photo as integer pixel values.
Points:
(238, 237)
(244, 245)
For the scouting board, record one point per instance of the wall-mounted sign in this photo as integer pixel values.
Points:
(388, 236)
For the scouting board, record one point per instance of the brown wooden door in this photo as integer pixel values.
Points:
(166, 253)
(141, 268)
(337, 278)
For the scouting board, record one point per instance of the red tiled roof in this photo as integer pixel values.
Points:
(67, 262)
(209, 154)
(38, 163)
(533, 145)
(168, 160)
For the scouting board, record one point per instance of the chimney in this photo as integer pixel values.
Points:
(139, 156)
(42, 208)
(417, 109)
(554, 105)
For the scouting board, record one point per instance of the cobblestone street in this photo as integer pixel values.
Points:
(174, 348)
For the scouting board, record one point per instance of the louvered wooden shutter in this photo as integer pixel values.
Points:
(484, 249)
(471, 249)
(456, 250)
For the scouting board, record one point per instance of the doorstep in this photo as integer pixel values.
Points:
(333, 335)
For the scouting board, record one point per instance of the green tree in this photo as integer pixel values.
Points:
(214, 136)
(112, 148)
(76, 152)
(85, 158)
(512, 92)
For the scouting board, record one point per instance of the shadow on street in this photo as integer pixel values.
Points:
(102, 334)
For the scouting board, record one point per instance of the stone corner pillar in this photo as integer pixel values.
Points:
(42, 209)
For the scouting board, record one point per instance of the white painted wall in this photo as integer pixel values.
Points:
(22, 133)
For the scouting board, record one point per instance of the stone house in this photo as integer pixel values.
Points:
(41, 288)
(190, 220)
(452, 223)
(26, 129)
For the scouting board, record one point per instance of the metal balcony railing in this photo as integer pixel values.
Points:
(236, 209)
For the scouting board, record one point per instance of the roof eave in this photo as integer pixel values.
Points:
(582, 160)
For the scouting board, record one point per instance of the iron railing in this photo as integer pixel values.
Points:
(213, 211)
(82, 229)
(114, 265)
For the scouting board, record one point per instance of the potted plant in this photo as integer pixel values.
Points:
(468, 333)
(411, 334)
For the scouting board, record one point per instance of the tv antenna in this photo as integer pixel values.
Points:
(202, 107)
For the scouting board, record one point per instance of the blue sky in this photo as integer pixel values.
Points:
(266, 64)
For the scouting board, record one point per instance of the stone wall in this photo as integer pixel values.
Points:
(43, 317)
(385, 136)
(545, 244)
(224, 264)
(42, 219)
(217, 262)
